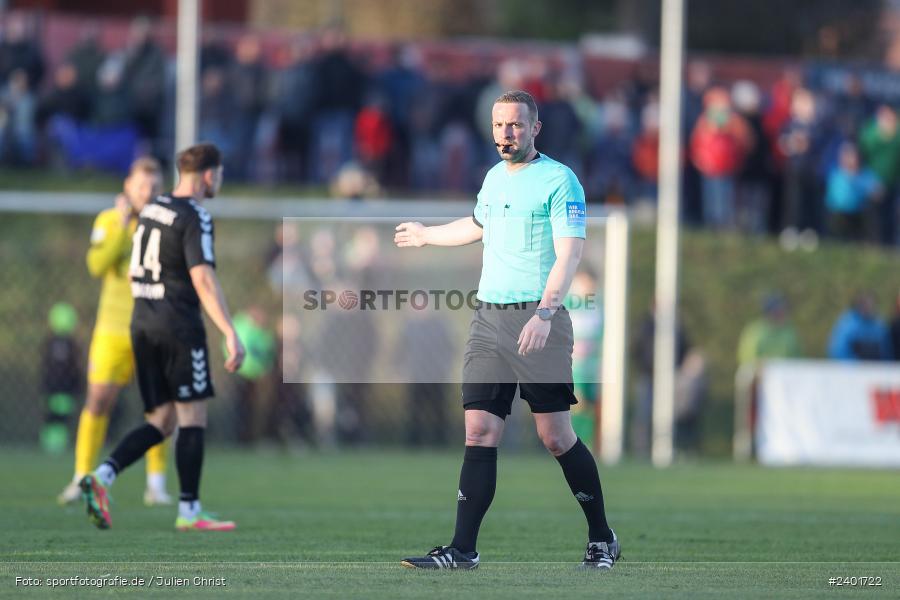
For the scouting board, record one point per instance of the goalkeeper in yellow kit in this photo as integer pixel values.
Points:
(111, 361)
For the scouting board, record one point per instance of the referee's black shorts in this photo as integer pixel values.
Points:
(493, 367)
(171, 365)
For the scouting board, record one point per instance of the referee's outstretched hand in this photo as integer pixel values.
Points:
(235, 350)
(410, 235)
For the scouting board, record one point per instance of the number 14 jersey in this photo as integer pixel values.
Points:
(173, 235)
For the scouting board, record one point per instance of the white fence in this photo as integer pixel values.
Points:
(818, 412)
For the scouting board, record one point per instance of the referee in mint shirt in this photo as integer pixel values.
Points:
(530, 216)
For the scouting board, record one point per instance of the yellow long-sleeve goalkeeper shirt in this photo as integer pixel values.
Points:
(108, 258)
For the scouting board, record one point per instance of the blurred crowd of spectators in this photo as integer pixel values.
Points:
(787, 159)
(793, 160)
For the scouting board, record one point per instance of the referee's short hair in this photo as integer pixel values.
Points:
(520, 97)
(199, 158)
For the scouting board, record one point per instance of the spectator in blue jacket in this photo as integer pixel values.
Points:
(848, 192)
(859, 334)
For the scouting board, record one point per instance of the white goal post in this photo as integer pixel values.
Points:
(615, 328)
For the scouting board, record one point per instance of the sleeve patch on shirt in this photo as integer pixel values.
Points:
(206, 243)
(575, 214)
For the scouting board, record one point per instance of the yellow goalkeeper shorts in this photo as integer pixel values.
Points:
(110, 360)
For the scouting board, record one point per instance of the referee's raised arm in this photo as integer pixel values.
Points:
(456, 233)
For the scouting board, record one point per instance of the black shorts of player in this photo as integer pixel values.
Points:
(171, 365)
(493, 367)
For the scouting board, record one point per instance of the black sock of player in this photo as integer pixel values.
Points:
(580, 469)
(189, 461)
(133, 446)
(477, 482)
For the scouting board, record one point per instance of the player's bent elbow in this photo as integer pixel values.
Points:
(203, 279)
(95, 267)
(201, 275)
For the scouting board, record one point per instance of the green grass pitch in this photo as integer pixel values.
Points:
(335, 526)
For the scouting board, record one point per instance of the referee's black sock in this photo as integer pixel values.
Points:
(132, 447)
(580, 469)
(189, 461)
(477, 482)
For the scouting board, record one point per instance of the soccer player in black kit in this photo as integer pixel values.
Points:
(172, 273)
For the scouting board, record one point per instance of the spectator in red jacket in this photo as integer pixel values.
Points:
(718, 146)
(374, 137)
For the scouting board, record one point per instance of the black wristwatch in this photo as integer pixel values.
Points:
(545, 314)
